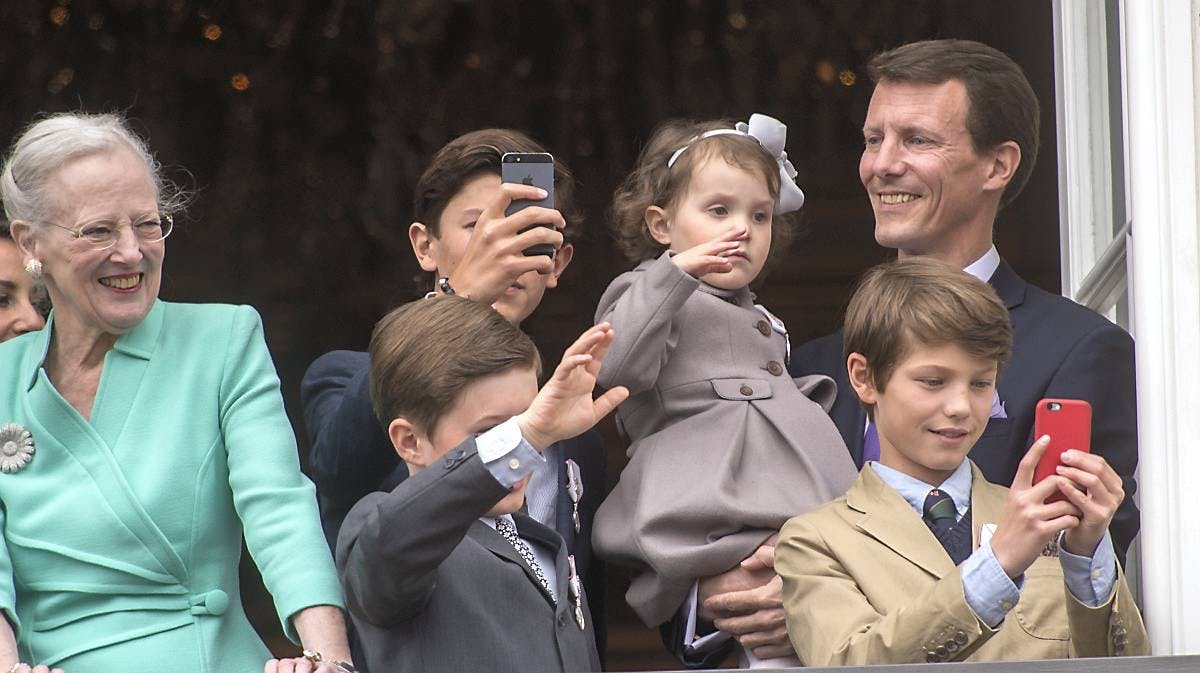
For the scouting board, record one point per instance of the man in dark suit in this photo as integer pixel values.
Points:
(463, 238)
(950, 138)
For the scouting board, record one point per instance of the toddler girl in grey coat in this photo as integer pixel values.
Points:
(724, 445)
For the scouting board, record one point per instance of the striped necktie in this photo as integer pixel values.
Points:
(942, 518)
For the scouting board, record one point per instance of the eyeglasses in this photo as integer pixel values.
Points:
(103, 235)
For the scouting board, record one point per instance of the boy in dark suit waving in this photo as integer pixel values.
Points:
(444, 572)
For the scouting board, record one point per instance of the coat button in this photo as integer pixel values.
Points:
(562, 620)
(764, 328)
(941, 652)
(775, 368)
(932, 657)
(951, 646)
(960, 638)
(746, 390)
(214, 602)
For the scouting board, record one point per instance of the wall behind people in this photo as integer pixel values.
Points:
(305, 127)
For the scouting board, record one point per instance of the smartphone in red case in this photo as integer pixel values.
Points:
(1069, 424)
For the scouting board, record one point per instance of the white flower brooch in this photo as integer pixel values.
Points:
(16, 447)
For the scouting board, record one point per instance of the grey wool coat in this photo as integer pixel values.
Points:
(724, 446)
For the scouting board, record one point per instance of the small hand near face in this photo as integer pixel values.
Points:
(1027, 522)
(710, 256)
(494, 257)
(564, 406)
(1096, 491)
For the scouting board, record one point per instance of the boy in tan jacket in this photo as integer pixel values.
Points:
(923, 559)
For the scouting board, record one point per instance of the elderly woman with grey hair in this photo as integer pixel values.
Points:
(141, 440)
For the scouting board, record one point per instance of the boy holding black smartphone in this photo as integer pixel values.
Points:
(923, 559)
(465, 237)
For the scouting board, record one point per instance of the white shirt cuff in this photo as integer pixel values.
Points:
(506, 454)
(690, 641)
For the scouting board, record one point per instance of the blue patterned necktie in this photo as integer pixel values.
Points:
(509, 532)
(942, 518)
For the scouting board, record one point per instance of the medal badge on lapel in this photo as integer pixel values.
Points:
(574, 490)
(16, 447)
(575, 587)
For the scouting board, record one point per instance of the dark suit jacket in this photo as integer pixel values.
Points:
(432, 588)
(1060, 349)
(352, 456)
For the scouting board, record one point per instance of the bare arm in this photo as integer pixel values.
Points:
(322, 629)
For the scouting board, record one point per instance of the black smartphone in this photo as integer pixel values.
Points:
(530, 168)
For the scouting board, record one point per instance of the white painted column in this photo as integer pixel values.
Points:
(1160, 40)
(1085, 183)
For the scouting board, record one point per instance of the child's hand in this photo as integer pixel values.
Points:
(710, 256)
(495, 257)
(1097, 491)
(564, 407)
(1027, 522)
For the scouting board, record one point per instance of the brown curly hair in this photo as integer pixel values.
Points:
(653, 183)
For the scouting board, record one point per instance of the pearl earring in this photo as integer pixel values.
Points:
(34, 267)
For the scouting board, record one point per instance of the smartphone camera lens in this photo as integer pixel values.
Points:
(1054, 406)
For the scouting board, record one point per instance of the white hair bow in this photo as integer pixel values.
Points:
(772, 135)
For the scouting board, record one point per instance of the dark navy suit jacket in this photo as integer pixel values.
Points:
(352, 456)
(1060, 349)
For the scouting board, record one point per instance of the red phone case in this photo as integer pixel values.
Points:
(1069, 424)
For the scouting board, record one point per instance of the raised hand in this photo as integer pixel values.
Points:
(494, 257)
(1028, 522)
(710, 256)
(564, 406)
(1095, 489)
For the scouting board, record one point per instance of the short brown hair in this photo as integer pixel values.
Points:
(919, 300)
(653, 183)
(1001, 105)
(467, 156)
(425, 353)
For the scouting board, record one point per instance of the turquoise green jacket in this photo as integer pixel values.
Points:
(122, 535)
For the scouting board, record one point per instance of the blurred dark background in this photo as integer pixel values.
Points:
(302, 126)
